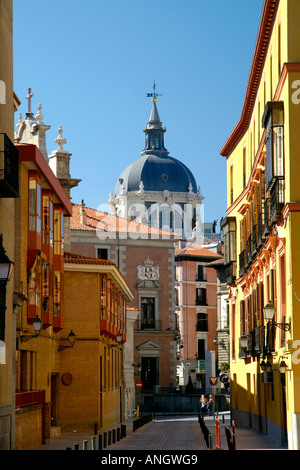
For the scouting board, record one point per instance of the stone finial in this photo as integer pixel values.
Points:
(60, 140)
(141, 187)
(190, 188)
(39, 117)
(20, 117)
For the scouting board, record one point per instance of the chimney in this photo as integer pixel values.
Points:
(82, 213)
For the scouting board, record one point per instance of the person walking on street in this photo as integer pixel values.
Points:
(210, 404)
(203, 405)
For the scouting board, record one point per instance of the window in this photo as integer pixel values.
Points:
(47, 219)
(58, 231)
(202, 321)
(102, 253)
(273, 123)
(34, 205)
(200, 273)
(201, 296)
(147, 312)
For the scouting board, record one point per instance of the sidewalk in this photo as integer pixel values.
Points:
(172, 432)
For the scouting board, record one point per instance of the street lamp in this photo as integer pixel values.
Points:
(282, 366)
(269, 311)
(71, 338)
(5, 263)
(244, 341)
(37, 326)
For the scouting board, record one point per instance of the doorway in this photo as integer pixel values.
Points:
(149, 373)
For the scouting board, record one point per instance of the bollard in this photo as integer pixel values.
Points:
(100, 442)
(137, 412)
(85, 445)
(76, 446)
(105, 440)
(109, 438)
(95, 429)
(233, 436)
(118, 434)
(124, 430)
(93, 439)
(218, 442)
(114, 436)
(68, 448)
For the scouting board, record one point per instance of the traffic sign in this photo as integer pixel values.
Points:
(224, 378)
(138, 384)
(213, 380)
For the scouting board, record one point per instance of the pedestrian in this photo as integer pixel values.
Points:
(210, 404)
(203, 404)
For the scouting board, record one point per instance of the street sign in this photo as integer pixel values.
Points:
(213, 380)
(224, 378)
(138, 384)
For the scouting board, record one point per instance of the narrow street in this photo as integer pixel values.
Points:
(174, 433)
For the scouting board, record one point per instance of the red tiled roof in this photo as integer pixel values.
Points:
(79, 259)
(194, 250)
(105, 222)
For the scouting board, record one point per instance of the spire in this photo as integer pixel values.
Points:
(154, 130)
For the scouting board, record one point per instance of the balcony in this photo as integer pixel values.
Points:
(242, 261)
(254, 241)
(249, 252)
(267, 222)
(276, 199)
(151, 325)
(9, 168)
(230, 272)
(260, 240)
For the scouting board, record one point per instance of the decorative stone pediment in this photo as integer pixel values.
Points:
(149, 345)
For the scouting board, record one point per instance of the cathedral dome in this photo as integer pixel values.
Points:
(156, 173)
(155, 170)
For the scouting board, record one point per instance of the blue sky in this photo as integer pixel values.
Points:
(90, 65)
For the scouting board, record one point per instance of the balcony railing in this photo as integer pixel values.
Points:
(242, 261)
(230, 272)
(9, 168)
(276, 199)
(267, 223)
(151, 325)
(254, 240)
(249, 252)
(260, 230)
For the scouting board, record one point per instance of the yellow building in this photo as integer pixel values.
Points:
(262, 250)
(9, 190)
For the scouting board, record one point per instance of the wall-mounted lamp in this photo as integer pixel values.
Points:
(119, 339)
(243, 341)
(5, 263)
(269, 311)
(37, 326)
(282, 365)
(263, 366)
(71, 338)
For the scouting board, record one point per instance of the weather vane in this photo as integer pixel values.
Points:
(154, 94)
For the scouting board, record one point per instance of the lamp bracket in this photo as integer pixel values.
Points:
(283, 326)
(25, 338)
